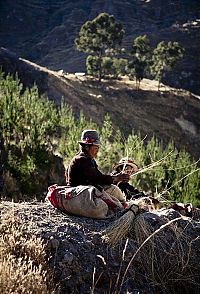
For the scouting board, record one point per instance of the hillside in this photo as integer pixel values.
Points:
(171, 114)
(82, 262)
(43, 31)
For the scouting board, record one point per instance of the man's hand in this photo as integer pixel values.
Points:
(121, 177)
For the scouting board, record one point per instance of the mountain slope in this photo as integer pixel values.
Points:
(168, 115)
(44, 30)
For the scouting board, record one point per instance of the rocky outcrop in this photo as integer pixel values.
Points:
(83, 262)
(44, 31)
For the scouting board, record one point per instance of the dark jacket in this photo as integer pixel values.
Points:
(83, 170)
(130, 191)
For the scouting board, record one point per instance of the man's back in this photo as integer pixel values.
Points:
(83, 170)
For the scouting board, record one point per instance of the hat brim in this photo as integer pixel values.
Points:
(86, 143)
(133, 165)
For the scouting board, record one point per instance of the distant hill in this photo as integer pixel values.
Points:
(43, 31)
(171, 114)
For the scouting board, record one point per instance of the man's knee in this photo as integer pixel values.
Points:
(115, 191)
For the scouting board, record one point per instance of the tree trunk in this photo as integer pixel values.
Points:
(100, 66)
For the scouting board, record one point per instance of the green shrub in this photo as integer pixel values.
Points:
(35, 131)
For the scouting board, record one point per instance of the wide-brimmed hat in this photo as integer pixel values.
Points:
(127, 162)
(90, 137)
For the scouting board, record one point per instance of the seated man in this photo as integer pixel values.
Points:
(93, 188)
(83, 169)
(129, 167)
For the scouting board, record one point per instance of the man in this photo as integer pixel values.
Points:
(89, 192)
(83, 169)
(129, 167)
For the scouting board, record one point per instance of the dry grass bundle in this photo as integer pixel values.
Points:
(23, 265)
(120, 228)
(140, 229)
(169, 259)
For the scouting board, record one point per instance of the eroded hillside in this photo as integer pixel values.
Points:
(170, 114)
(44, 31)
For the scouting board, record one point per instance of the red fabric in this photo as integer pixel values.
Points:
(125, 204)
(51, 195)
(110, 203)
(88, 140)
(68, 196)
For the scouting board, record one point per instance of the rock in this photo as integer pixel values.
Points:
(60, 72)
(169, 213)
(68, 258)
(77, 253)
(54, 243)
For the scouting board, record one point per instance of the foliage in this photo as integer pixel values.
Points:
(99, 34)
(113, 67)
(33, 130)
(99, 37)
(93, 65)
(140, 58)
(119, 67)
(70, 130)
(107, 65)
(111, 146)
(165, 56)
(27, 121)
(171, 176)
(102, 37)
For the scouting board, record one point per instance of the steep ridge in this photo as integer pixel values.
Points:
(168, 115)
(44, 30)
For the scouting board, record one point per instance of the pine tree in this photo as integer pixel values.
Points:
(140, 57)
(100, 37)
(164, 58)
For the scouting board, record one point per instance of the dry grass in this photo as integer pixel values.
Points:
(23, 264)
(168, 257)
(120, 228)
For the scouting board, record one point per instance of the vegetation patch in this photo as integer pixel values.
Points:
(38, 139)
(23, 259)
